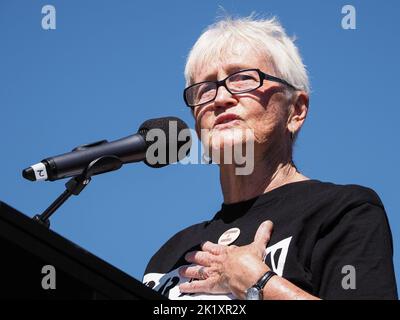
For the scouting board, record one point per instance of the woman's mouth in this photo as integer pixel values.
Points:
(226, 121)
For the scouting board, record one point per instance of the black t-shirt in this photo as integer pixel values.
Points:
(331, 240)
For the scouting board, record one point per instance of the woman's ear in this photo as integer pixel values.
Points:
(298, 112)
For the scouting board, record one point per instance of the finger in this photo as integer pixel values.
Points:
(193, 272)
(199, 257)
(263, 235)
(204, 286)
(213, 248)
(196, 286)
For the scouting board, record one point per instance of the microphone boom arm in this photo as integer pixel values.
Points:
(76, 184)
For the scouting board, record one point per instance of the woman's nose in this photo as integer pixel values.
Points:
(224, 98)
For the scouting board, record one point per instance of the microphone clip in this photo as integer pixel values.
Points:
(89, 145)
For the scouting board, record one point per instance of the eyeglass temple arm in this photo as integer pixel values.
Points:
(269, 77)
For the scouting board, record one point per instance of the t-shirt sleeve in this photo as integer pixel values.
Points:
(353, 260)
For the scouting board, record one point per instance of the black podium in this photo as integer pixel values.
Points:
(29, 252)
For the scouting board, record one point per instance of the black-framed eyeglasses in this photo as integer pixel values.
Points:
(241, 81)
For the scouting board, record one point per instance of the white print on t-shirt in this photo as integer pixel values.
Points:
(168, 283)
(278, 252)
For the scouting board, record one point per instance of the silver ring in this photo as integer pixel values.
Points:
(202, 274)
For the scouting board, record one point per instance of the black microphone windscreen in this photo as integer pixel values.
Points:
(177, 135)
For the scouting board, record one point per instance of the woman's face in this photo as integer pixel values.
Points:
(228, 120)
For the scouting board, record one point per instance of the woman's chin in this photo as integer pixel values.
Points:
(226, 141)
(225, 138)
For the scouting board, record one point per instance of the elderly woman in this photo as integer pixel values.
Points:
(278, 234)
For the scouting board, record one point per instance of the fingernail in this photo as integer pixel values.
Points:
(187, 256)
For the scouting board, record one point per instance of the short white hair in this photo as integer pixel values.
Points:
(266, 36)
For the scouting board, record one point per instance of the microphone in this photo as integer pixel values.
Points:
(170, 135)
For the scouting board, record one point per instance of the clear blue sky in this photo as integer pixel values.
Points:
(110, 65)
